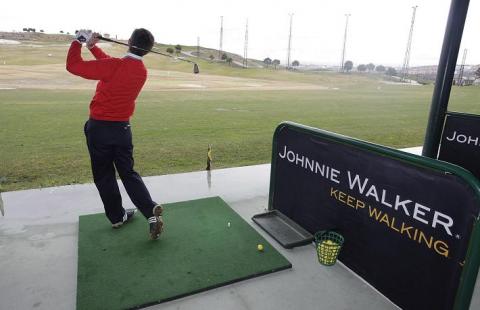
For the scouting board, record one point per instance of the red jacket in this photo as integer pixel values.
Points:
(120, 82)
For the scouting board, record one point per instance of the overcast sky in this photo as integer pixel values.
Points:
(378, 29)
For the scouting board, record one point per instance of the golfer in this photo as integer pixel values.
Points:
(108, 132)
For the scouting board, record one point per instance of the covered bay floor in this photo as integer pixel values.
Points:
(39, 234)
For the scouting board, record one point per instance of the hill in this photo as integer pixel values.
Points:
(187, 51)
(35, 36)
(39, 49)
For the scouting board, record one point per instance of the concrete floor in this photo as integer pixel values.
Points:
(39, 235)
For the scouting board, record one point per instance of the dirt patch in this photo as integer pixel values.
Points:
(191, 85)
(409, 83)
(55, 77)
(9, 42)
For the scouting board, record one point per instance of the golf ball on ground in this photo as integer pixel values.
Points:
(260, 247)
(228, 224)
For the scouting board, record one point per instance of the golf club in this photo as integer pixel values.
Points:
(195, 66)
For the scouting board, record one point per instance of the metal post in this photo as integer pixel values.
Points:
(198, 46)
(445, 73)
(221, 38)
(289, 42)
(245, 47)
(342, 65)
(462, 69)
(406, 60)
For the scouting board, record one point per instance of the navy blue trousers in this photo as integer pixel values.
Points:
(110, 147)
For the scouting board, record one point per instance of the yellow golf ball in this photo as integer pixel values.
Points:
(260, 247)
(326, 244)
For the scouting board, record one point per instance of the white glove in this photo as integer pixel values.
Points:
(83, 35)
(93, 40)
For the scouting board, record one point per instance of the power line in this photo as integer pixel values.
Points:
(289, 41)
(221, 38)
(406, 60)
(342, 65)
(245, 48)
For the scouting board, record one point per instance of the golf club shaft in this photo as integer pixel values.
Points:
(139, 48)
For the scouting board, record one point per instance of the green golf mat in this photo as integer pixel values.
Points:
(123, 269)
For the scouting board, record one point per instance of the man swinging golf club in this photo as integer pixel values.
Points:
(108, 133)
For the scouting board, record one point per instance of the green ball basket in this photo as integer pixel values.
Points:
(328, 245)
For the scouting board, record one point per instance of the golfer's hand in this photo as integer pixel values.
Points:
(93, 40)
(83, 35)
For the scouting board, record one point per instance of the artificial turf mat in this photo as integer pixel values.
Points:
(123, 269)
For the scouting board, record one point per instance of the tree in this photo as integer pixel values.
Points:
(362, 68)
(391, 71)
(477, 73)
(276, 62)
(370, 67)
(170, 50)
(41, 30)
(267, 61)
(295, 63)
(178, 49)
(229, 61)
(61, 31)
(25, 29)
(380, 68)
(211, 57)
(348, 65)
(224, 56)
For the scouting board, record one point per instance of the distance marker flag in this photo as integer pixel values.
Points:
(209, 157)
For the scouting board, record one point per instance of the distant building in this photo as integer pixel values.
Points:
(423, 72)
(430, 73)
(468, 81)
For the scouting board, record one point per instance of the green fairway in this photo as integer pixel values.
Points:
(43, 109)
(43, 144)
(205, 245)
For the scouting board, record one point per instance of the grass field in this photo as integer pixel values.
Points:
(41, 130)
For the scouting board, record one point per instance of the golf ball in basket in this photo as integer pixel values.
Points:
(326, 244)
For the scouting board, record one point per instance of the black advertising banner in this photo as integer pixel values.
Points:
(406, 227)
(461, 141)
